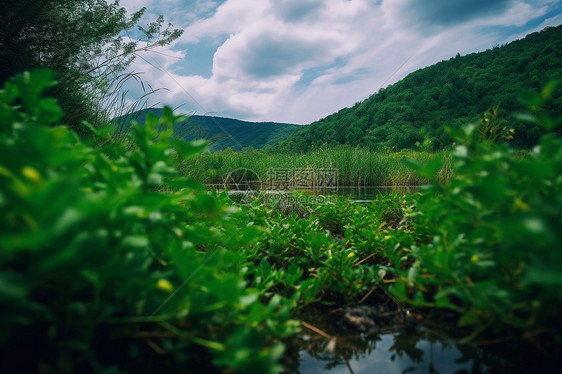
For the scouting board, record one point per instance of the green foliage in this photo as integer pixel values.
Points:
(109, 258)
(356, 166)
(493, 230)
(494, 129)
(451, 93)
(324, 251)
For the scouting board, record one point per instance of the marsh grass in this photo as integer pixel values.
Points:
(356, 166)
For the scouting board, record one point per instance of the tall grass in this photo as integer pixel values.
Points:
(356, 166)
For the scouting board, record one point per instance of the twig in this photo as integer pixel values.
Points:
(383, 330)
(349, 366)
(366, 258)
(398, 303)
(367, 295)
(316, 330)
(155, 347)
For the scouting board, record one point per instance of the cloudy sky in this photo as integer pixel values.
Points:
(297, 61)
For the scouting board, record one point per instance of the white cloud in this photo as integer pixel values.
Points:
(264, 48)
(271, 49)
(231, 17)
(260, 61)
(517, 15)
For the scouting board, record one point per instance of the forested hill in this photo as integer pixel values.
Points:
(449, 93)
(221, 132)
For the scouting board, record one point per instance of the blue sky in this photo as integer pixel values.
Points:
(297, 61)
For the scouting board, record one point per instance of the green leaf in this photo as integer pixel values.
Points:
(151, 120)
(526, 117)
(89, 127)
(549, 88)
(136, 241)
(294, 273)
(530, 98)
(39, 79)
(190, 149)
(274, 302)
(249, 299)
(469, 318)
(430, 169)
(546, 277)
(412, 163)
(461, 151)
(399, 290)
(49, 111)
(167, 118)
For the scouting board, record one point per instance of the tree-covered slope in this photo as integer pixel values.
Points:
(449, 93)
(221, 132)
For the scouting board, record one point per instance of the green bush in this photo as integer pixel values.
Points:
(108, 259)
(494, 248)
(325, 250)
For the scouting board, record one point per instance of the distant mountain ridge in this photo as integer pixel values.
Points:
(448, 93)
(221, 132)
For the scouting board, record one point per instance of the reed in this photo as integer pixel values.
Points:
(356, 166)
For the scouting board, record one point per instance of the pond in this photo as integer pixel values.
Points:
(367, 193)
(354, 193)
(405, 352)
(411, 345)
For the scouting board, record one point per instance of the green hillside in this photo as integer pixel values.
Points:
(221, 132)
(449, 93)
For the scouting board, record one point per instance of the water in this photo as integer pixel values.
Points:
(368, 193)
(406, 345)
(354, 193)
(397, 342)
(406, 352)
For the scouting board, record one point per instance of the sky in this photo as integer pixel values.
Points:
(297, 61)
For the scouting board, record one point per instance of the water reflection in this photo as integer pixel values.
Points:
(364, 193)
(402, 345)
(402, 352)
(355, 194)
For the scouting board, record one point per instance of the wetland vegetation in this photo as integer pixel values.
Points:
(115, 257)
(137, 266)
(356, 166)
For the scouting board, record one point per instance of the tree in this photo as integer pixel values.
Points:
(81, 40)
(450, 94)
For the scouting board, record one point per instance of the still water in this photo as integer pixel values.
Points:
(370, 192)
(356, 194)
(406, 347)
(412, 352)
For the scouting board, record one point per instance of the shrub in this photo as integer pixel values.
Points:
(495, 253)
(109, 259)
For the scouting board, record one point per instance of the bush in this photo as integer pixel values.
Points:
(109, 259)
(494, 251)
